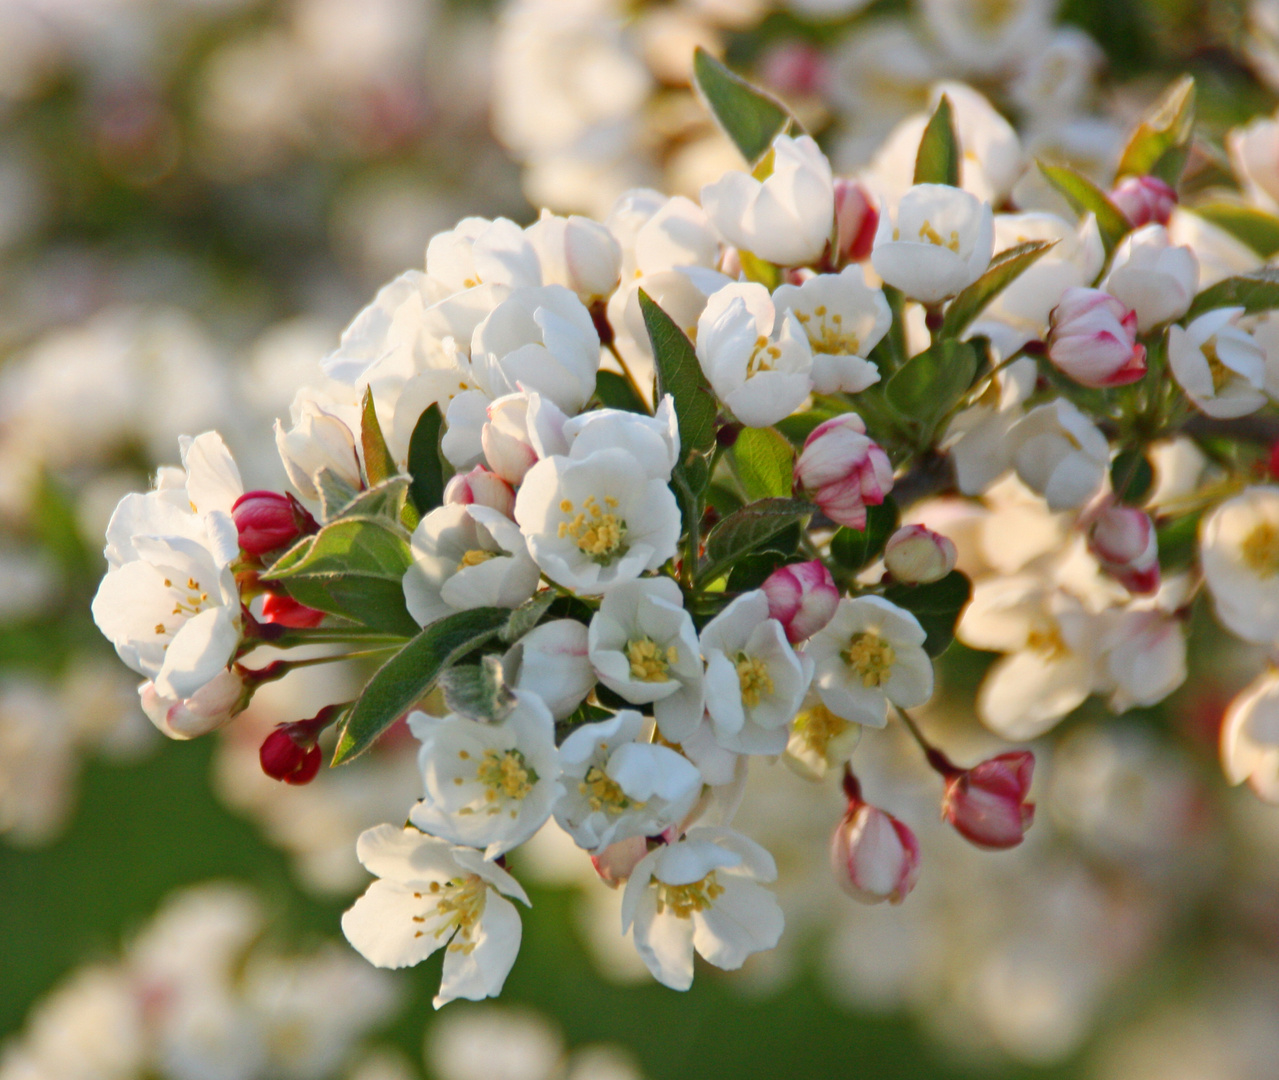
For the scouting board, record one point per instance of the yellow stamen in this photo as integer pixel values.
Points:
(474, 557)
(461, 905)
(817, 727)
(506, 775)
(1260, 550)
(600, 535)
(871, 657)
(603, 793)
(684, 900)
(753, 677)
(648, 662)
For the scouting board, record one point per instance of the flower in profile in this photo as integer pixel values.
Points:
(844, 470)
(1153, 276)
(937, 241)
(987, 803)
(1123, 540)
(916, 555)
(1058, 452)
(874, 856)
(802, 597)
(431, 895)
(1250, 737)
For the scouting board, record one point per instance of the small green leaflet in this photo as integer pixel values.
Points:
(1086, 197)
(1258, 291)
(614, 392)
(750, 117)
(1160, 141)
(764, 462)
(937, 161)
(378, 463)
(1256, 228)
(929, 385)
(680, 375)
(1005, 268)
(748, 528)
(426, 465)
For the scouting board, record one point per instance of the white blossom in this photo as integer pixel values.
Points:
(1059, 453)
(1153, 276)
(1239, 550)
(1221, 368)
(937, 241)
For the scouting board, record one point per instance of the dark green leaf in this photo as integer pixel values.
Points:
(764, 462)
(426, 466)
(929, 385)
(1131, 477)
(411, 674)
(378, 463)
(1167, 127)
(751, 571)
(376, 603)
(747, 529)
(939, 154)
(1256, 228)
(936, 605)
(680, 375)
(854, 549)
(1178, 541)
(1087, 197)
(1004, 269)
(1254, 292)
(614, 392)
(750, 117)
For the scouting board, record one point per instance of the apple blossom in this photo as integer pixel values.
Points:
(483, 487)
(1253, 149)
(916, 555)
(1058, 452)
(478, 251)
(1239, 550)
(267, 520)
(844, 470)
(211, 706)
(1093, 339)
(653, 441)
(1123, 540)
(935, 242)
(977, 437)
(317, 440)
(576, 252)
(1143, 650)
(1153, 276)
(819, 740)
(554, 664)
(1144, 199)
(1221, 368)
(802, 597)
(1250, 737)
(856, 218)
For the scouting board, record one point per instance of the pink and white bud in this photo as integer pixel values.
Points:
(267, 520)
(916, 555)
(1144, 199)
(874, 856)
(216, 702)
(1124, 542)
(843, 470)
(987, 803)
(857, 217)
(481, 488)
(505, 438)
(617, 862)
(795, 68)
(1092, 338)
(803, 598)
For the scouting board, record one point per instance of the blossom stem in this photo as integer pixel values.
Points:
(936, 759)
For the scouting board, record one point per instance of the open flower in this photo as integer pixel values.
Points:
(1250, 737)
(430, 895)
(1059, 453)
(592, 523)
(701, 893)
(1239, 550)
(488, 786)
(819, 740)
(871, 653)
(754, 679)
(1221, 368)
(788, 217)
(616, 787)
(938, 241)
(756, 358)
(652, 441)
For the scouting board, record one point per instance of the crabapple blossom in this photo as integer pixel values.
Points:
(978, 436)
(802, 597)
(267, 520)
(554, 664)
(1144, 654)
(856, 218)
(483, 487)
(1239, 550)
(916, 555)
(653, 441)
(1123, 540)
(1153, 276)
(819, 740)
(317, 440)
(987, 803)
(935, 242)
(844, 470)
(1253, 149)
(1250, 737)
(211, 706)
(1058, 452)
(874, 856)
(1144, 199)
(1220, 367)
(576, 252)
(1093, 339)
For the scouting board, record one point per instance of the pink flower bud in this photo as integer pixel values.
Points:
(1144, 199)
(1092, 338)
(857, 218)
(843, 470)
(795, 68)
(216, 702)
(505, 438)
(987, 803)
(285, 611)
(267, 520)
(802, 598)
(617, 862)
(290, 753)
(1123, 539)
(483, 488)
(916, 555)
(875, 857)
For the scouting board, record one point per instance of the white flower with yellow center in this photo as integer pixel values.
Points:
(488, 786)
(1250, 737)
(594, 522)
(701, 893)
(756, 358)
(938, 241)
(1239, 550)
(644, 647)
(870, 653)
(1221, 368)
(466, 557)
(755, 681)
(430, 895)
(820, 740)
(844, 319)
(616, 787)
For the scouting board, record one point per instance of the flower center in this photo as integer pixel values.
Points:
(475, 557)
(1222, 376)
(828, 337)
(818, 726)
(506, 775)
(459, 908)
(1047, 641)
(191, 600)
(683, 900)
(762, 357)
(648, 662)
(1260, 550)
(752, 675)
(603, 793)
(929, 235)
(597, 532)
(871, 657)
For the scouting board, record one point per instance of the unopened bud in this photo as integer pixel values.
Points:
(915, 555)
(482, 488)
(285, 611)
(1124, 542)
(268, 520)
(1144, 199)
(1092, 339)
(505, 438)
(795, 68)
(291, 752)
(318, 440)
(843, 470)
(874, 856)
(802, 597)
(857, 219)
(987, 803)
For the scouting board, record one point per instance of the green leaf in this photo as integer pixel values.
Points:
(335, 493)
(384, 500)
(939, 155)
(1165, 129)
(1131, 477)
(478, 691)
(354, 568)
(1254, 292)
(1087, 197)
(1256, 228)
(746, 529)
(1005, 268)
(614, 392)
(929, 385)
(527, 616)
(764, 462)
(854, 549)
(1178, 541)
(750, 117)
(426, 465)
(378, 463)
(411, 674)
(936, 605)
(680, 375)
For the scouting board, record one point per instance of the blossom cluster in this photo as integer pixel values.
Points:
(624, 505)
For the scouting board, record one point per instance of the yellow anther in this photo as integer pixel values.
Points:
(753, 677)
(460, 907)
(818, 726)
(475, 557)
(598, 534)
(683, 900)
(566, 506)
(159, 628)
(1046, 640)
(871, 657)
(505, 774)
(1260, 550)
(604, 793)
(648, 662)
